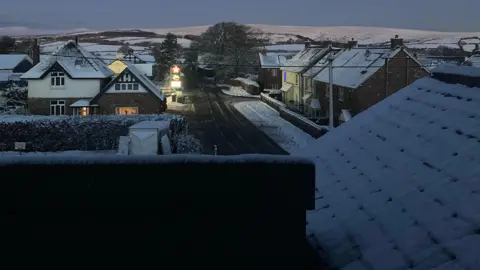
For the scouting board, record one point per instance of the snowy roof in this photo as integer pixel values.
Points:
(397, 186)
(273, 60)
(10, 61)
(75, 60)
(81, 103)
(458, 70)
(473, 60)
(303, 59)
(145, 81)
(352, 67)
(146, 58)
(321, 64)
(159, 125)
(285, 47)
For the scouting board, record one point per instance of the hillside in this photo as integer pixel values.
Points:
(276, 34)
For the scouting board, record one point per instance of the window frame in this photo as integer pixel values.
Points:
(57, 107)
(131, 108)
(57, 79)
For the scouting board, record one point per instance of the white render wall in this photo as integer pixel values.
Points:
(79, 88)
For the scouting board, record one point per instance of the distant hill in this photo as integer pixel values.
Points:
(276, 34)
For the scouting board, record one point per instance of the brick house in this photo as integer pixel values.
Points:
(269, 74)
(72, 81)
(363, 77)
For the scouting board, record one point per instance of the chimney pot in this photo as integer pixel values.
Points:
(396, 42)
(76, 40)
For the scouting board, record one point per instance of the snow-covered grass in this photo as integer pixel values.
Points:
(91, 47)
(268, 120)
(236, 91)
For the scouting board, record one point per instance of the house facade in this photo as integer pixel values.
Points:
(13, 66)
(69, 80)
(363, 77)
(269, 74)
(292, 71)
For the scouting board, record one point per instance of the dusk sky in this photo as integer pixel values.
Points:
(439, 15)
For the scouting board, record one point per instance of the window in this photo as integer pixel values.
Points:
(126, 110)
(296, 79)
(340, 93)
(57, 107)
(327, 91)
(275, 72)
(306, 83)
(57, 79)
(83, 111)
(126, 86)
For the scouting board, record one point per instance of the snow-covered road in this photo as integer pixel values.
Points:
(268, 120)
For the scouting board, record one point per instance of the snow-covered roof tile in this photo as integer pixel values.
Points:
(352, 67)
(303, 59)
(146, 58)
(81, 103)
(10, 61)
(398, 185)
(473, 61)
(145, 80)
(273, 60)
(321, 64)
(75, 60)
(457, 70)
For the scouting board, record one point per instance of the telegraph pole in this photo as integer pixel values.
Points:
(330, 87)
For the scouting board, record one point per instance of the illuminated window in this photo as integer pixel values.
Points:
(126, 110)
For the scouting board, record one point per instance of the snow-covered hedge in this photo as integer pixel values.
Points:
(50, 134)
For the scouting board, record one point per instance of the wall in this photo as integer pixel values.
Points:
(187, 214)
(269, 80)
(292, 94)
(117, 66)
(147, 103)
(76, 88)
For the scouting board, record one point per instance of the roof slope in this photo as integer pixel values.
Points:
(321, 64)
(143, 80)
(398, 186)
(273, 60)
(75, 60)
(10, 61)
(473, 61)
(302, 60)
(352, 67)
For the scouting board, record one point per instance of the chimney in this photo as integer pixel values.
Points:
(76, 40)
(264, 50)
(308, 43)
(35, 52)
(396, 42)
(352, 43)
(328, 42)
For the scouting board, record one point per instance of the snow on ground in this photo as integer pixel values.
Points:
(236, 91)
(62, 153)
(91, 47)
(135, 40)
(286, 47)
(365, 35)
(268, 120)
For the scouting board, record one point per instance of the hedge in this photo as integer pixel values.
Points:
(90, 133)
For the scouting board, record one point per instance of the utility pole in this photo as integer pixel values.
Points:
(330, 87)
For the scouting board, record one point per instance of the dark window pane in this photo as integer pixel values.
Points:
(135, 86)
(57, 81)
(52, 110)
(130, 86)
(63, 81)
(124, 86)
(52, 81)
(62, 110)
(117, 86)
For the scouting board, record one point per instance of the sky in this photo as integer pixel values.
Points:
(438, 15)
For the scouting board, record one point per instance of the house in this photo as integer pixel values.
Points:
(363, 77)
(269, 74)
(310, 100)
(71, 79)
(145, 63)
(397, 187)
(292, 74)
(13, 66)
(130, 92)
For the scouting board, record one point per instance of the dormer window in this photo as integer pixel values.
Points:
(57, 79)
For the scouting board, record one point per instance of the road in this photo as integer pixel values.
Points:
(214, 121)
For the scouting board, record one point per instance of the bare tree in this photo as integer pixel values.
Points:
(230, 47)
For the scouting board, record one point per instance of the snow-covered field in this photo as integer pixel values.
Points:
(236, 91)
(91, 47)
(278, 34)
(268, 120)
(135, 40)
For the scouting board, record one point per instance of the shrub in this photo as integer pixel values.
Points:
(62, 133)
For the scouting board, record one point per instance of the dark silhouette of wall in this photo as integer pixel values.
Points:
(252, 206)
